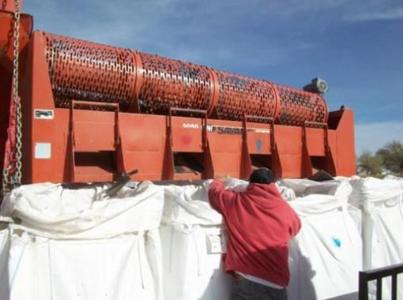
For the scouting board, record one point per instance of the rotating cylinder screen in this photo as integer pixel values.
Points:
(149, 83)
(172, 83)
(83, 70)
(241, 95)
(298, 106)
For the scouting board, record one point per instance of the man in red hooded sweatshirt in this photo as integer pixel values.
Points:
(259, 225)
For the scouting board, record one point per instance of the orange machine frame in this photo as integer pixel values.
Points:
(79, 144)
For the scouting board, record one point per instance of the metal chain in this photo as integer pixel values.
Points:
(9, 180)
(6, 181)
(17, 99)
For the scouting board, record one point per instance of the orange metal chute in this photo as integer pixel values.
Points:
(91, 111)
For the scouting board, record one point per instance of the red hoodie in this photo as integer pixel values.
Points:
(259, 224)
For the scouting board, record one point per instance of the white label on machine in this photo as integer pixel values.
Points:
(43, 150)
(216, 243)
(190, 125)
(44, 114)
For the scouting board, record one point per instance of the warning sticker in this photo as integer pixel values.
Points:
(43, 151)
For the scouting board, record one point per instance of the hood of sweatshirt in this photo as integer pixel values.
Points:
(265, 195)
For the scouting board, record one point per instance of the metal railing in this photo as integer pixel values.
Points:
(378, 275)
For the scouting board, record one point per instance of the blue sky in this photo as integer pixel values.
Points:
(357, 46)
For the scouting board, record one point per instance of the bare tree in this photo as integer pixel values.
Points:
(370, 165)
(392, 157)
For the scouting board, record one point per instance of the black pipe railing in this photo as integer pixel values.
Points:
(378, 275)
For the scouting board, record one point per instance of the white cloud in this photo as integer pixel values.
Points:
(389, 14)
(372, 136)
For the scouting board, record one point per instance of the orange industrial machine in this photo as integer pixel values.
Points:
(91, 111)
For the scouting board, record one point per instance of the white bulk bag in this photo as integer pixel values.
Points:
(189, 205)
(193, 242)
(381, 203)
(52, 210)
(4, 251)
(325, 256)
(74, 244)
(115, 268)
(304, 187)
(192, 262)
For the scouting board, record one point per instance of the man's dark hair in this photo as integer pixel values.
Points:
(261, 175)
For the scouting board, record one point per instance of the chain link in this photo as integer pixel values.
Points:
(17, 99)
(6, 181)
(11, 180)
